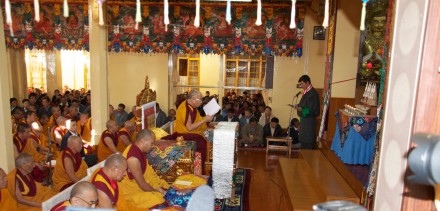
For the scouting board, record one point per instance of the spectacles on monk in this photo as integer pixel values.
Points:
(199, 99)
(92, 204)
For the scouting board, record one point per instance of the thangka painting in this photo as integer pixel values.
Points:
(215, 35)
(53, 31)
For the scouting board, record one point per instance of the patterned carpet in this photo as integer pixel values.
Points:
(241, 200)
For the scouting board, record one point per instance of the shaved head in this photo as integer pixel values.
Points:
(81, 188)
(75, 143)
(145, 134)
(114, 160)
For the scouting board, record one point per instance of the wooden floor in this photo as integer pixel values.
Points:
(267, 185)
(266, 192)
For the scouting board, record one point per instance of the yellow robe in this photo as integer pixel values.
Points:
(41, 193)
(7, 202)
(103, 150)
(86, 130)
(105, 186)
(121, 145)
(60, 177)
(28, 148)
(180, 124)
(138, 197)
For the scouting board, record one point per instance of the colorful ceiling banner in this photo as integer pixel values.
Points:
(215, 35)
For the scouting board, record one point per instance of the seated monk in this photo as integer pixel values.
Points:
(142, 187)
(56, 112)
(7, 202)
(83, 194)
(106, 181)
(34, 136)
(17, 116)
(59, 131)
(22, 144)
(125, 134)
(109, 142)
(29, 194)
(85, 127)
(190, 124)
(70, 166)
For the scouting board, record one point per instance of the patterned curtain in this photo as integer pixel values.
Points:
(215, 35)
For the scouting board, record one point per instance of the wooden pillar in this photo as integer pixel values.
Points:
(98, 71)
(6, 150)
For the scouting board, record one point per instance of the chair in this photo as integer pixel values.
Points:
(286, 144)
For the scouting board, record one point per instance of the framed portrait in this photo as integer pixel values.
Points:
(318, 33)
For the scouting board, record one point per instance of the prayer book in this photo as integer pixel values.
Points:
(212, 107)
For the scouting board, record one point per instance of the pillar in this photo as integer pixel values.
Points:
(98, 71)
(6, 150)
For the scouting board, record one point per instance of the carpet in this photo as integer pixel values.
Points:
(241, 200)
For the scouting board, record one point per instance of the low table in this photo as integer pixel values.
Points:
(171, 159)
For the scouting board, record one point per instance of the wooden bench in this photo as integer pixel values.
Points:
(332, 183)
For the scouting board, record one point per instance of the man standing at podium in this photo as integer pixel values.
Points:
(308, 110)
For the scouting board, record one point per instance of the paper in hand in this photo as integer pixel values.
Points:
(212, 107)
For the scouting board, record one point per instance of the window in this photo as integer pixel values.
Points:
(244, 71)
(36, 69)
(75, 66)
(189, 71)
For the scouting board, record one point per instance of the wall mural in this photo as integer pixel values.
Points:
(215, 35)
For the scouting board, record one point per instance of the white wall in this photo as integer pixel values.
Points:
(127, 74)
(346, 48)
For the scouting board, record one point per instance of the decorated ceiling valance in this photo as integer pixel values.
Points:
(214, 35)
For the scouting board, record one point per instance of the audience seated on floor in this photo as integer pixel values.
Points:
(22, 144)
(125, 135)
(230, 117)
(28, 193)
(142, 187)
(83, 194)
(266, 116)
(244, 120)
(109, 141)
(106, 180)
(273, 129)
(294, 132)
(252, 134)
(7, 201)
(60, 130)
(85, 129)
(70, 166)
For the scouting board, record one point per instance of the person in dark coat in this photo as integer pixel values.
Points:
(231, 116)
(272, 129)
(294, 132)
(308, 110)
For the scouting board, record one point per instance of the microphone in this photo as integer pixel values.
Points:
(298, 94)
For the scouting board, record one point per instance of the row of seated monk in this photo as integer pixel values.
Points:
(125, 182)
(31, 143)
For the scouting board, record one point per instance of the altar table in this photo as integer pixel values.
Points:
(355, 137)
(170, 159)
